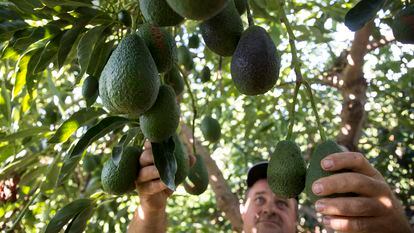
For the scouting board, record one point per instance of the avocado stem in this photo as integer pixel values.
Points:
(193, 103)
(292, 111)
(249, 15)
(299, 78)
(318, 121)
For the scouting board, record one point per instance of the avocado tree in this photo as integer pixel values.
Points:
(84, 83)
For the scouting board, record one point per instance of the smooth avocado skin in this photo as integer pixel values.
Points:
(129, 82)
(161, 45)
(185, 57)
(197, 9)
(120, 179)
(315, 171)
(255, 64)
(222, 32)
(403, 25)
(286, 172)
(198, 177)
(90, 90)
(161, 121)
(211, 129)
(175, 80)
(159, 13)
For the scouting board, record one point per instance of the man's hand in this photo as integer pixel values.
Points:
(153, 194)
(375, 209)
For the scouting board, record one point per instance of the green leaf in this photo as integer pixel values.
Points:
(52, 176)
(99, 130)
(33, 131)
(48, 54)
(101, 55)
(53, 3)
(78, 119)
(361, 13)
(5, 105)
(6, 152)
(66, 43)
(164, 161)
(8, 28)
(78, 224)
(27, 6)
(21, 74)
(68, 212)
(86, 46)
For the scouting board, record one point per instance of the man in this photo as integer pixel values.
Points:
(375, 209)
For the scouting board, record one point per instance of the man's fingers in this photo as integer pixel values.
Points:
(148, 173)
(151, 188)
(146, 158)
(349, 182)
(350, 207)
(353, 224)
(147, 145)
(351, 161)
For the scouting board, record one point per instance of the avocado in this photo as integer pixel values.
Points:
(197, 181)
(194, 41)
(161, 120)
(175, 80)
(211, 129)
(120, 178)
(182, 159)
(90, 90)
(315, 170)
(241, 6)
(286, 172)
(197, 9)
(159, 13)
(222, 32)
(255, 64)
(185, 58)
(205, 74)
(125, 18)
(161, 45)
(91, 162)
(129, 82)
(403, 25)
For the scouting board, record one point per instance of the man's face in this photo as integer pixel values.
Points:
(264, 212)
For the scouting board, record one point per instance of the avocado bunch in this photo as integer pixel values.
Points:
(288, 175)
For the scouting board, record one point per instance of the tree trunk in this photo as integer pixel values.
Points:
(227, 201)
(354, 91)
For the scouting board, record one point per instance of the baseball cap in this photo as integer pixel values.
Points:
(257, 172)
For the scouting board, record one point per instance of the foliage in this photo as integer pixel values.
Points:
(49, 47)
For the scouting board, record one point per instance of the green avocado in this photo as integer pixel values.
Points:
(255, 64)
(315, 170)
(197, 9)
(222, 32)
(120, 178)
(175, 80)
(211, 129)
(185, 58)
(403, 25)
(205, 74)
(90, 89)
(161, 121)
(194, 41)
(125, 18)
(129, 82)
(159, 13)
(286, 172)
(161, 45)
(197, 177)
